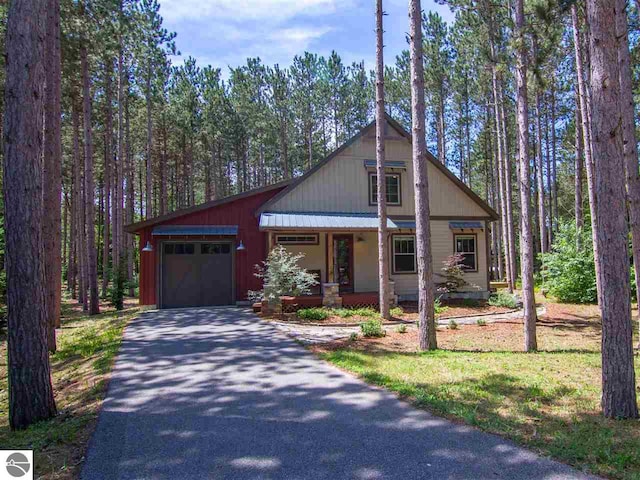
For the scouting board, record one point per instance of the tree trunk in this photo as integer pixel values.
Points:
(630, 143)
(108, 158)
(585, 113)
(526, 244)
(30, 390)
(442, 143)
(383, 250)
(52, 171)
(163, 165)
(79, 206)
(427, 326)
(618, 376)
(130, 201)
(554, 164)
(542, 216)
(579, 211)
(149, 176)
(92, 267)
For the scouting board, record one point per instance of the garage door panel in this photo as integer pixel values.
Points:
(197, 274)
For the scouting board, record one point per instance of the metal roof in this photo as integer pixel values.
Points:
(387, 164)
(465, 225)
(352, 221)
(166, 230)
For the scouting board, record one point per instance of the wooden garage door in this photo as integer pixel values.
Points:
(196, 274)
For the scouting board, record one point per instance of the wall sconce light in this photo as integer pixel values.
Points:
(360, 239)
(148, 247)
(241, 247)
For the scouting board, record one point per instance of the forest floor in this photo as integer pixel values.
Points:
(548, 401)
(87, 347)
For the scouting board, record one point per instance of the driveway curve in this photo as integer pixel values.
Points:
(217, 393)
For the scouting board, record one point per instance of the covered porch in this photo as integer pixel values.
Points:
(341, 249)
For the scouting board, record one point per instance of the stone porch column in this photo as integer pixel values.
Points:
(331, 295)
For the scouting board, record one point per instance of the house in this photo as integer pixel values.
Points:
(205, 255)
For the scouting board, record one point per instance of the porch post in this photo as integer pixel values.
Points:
(330, 277)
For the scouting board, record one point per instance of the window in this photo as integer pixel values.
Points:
(296, 239)
(404, 254)
(466, 245)
(215, 248)
(393, 189)
(179, 249)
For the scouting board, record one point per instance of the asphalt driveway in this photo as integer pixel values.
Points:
(216, 393)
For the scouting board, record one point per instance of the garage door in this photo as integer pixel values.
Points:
(196, 274)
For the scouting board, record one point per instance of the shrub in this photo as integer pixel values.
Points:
(453, 325)
(313, 313)
(118, 284)
(281, 275)
(503, 299)
(402, 328)
(453, 272)
(353, 337)
(481, 322)
(438, 307)
(470, 302)
(355, 312)
(396, 311)
(569, 273)
(372, 328)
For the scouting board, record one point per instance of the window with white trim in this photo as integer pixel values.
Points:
(393, 189)
(297, 239)
(404, 253)
(466, 246)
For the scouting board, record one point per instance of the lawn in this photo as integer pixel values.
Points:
(548, 400)
(87, 347)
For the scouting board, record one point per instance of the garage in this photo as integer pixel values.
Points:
(196, 273)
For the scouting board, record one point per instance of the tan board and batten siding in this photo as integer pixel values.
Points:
(341, 185)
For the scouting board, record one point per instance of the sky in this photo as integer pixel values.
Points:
(223, 33)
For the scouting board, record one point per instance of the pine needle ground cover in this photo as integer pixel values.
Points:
(548, 401)
(87, 347)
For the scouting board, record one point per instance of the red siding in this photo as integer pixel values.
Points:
(240, 212)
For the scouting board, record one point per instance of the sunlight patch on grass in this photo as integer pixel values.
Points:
(548, 401)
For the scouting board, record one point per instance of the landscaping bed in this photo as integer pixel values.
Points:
(87, 347)
(549, 401)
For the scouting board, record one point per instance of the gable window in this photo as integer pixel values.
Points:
(393, 189)
(466, 245)
(297, 239)
(404, 253)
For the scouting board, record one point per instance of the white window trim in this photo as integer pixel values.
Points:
(309, 236)
(457, 236)
(394, 204)
(393, 253)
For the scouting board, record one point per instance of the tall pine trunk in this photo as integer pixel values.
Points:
(579, 211)
(149, 172)
(30, 390)
(526, 237)
(629, 138)
(52, 171)
(618, 376)
(108, 158)
(427, 326)
(542, 214)
(383, 251)
(92, 267)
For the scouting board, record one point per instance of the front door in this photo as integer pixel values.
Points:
(343, 262)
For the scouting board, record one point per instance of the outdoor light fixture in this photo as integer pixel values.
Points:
(240, 247)
(148, 247)
(360, 239)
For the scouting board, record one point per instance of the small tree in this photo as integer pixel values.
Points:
(118, 284)
(453, 272)
(281, 275)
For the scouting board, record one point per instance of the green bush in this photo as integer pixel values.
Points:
(481, 322)
(355, 312)
(453, 325)
(281, 275)
(569, 273)
(402, 328)
(353, 337)
(396, 311)
(372, 328)
(503, 299)
(438, 307)
(118, 284)
(313, 313)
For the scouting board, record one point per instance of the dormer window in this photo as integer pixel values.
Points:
(393, 189)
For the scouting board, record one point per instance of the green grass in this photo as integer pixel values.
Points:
(87, 347)
(548, 401)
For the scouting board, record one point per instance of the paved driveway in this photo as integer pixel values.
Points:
(216, 393)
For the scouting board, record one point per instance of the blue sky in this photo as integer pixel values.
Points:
(224, 33)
